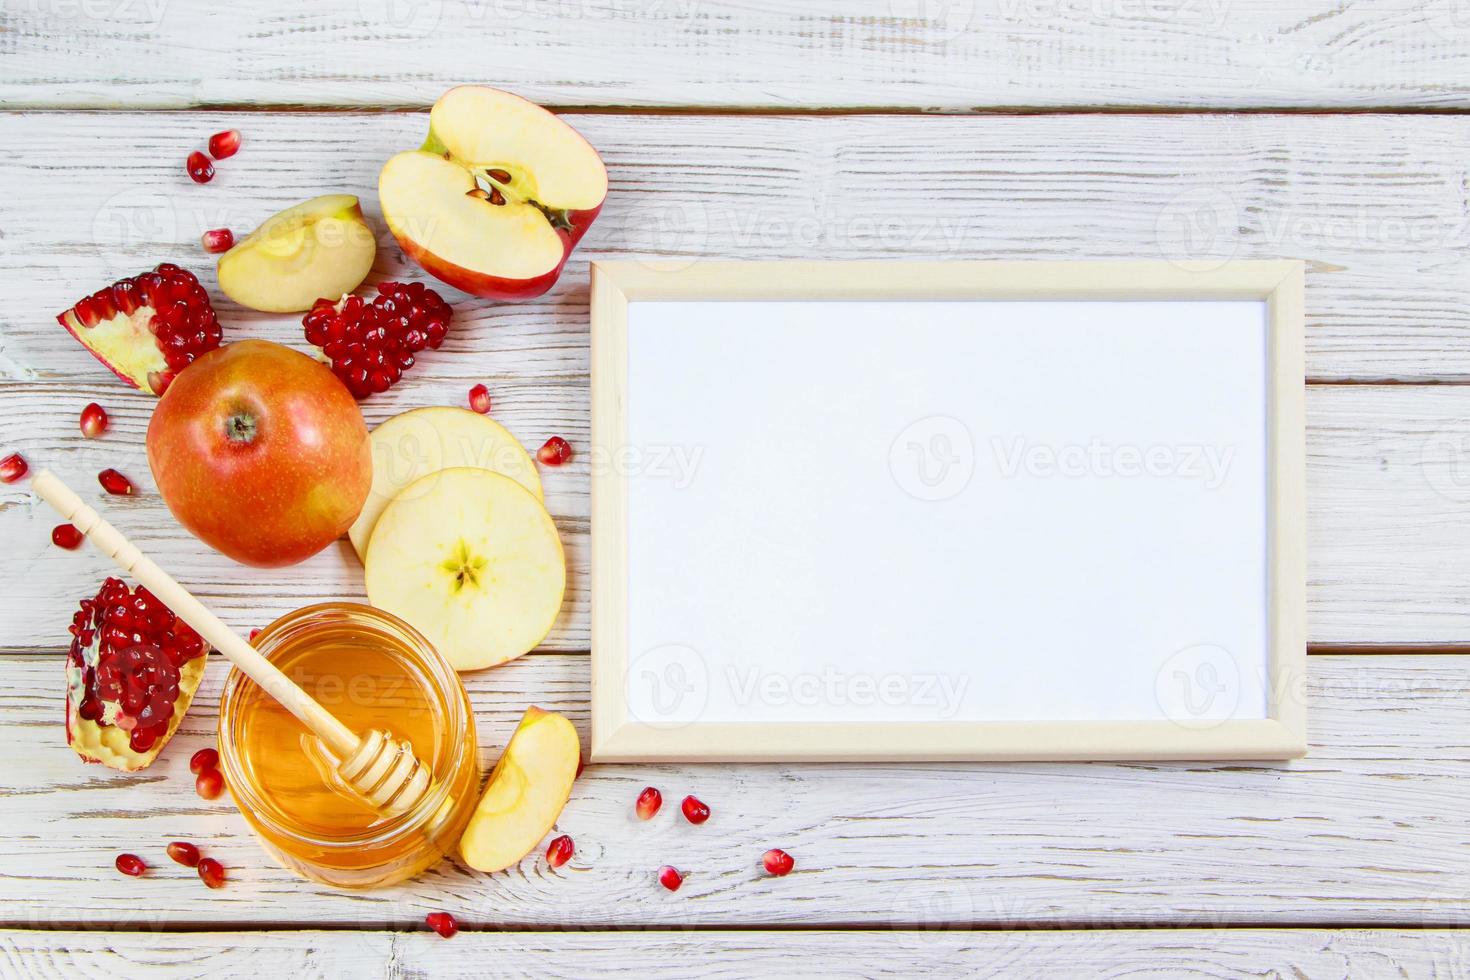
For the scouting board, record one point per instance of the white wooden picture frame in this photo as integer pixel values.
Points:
(1090, 590)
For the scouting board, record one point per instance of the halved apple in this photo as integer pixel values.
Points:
(472, 560)
(525, 793)
(413, 445)
(497, 197)
(320, 248)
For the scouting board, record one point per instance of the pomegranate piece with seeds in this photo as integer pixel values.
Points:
(131, 672)
(217, 240)
(778, 862)
(224, 145)
(370, 345)
(560, 851)
(200, 170)
(115, 483)
(148, 328)
(130, 865)
(695, 811)
(184, 853)
(480, 399)
(648, 803)
(66, 536)
(670, 877)
(212, 873)
(94, 420)
(555, 452)
(443, 923)
(13, 467)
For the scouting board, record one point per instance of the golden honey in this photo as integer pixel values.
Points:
(371, 670)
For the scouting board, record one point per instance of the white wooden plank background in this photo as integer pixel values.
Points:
(959, 55)
(669, 955)
(1371, 830)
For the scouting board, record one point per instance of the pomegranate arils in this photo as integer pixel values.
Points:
(555, 452)
(670, 878)
(200, 170)
(480, 399)
(115, 483)
(778, 862)
(13, 467)
(370, 345)
(166, 310)
(224, 145)
(93, 421)
(210, 784)
(443, 923)
(184, 853)
(217, 240)
(560, 851)
(130, 865)
(124, 665)
(694, 811)
(66, 536)
(648, 803)
(212, 873)
(202, 760)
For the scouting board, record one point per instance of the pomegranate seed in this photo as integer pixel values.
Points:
(94, 420)
(555, 452)
(560, 851)
(217, 240)
(166, 308)
(66, 536)
(210, 784)
(581, 765)
(670, 878)
(184, 853)
(480, 399)
(370, 345)
(212, 873)
(443, 923)
(224, 145)
(254, 633)
(115, 483)
(13, 467)
(648, 803)
(778, 862)
(201, 171)
(203, 761)
(130, 865)
(694, 811)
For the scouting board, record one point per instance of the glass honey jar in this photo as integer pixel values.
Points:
(371, 670)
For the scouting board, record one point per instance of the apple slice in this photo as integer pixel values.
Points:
(472, 560)
(318, 249)
(414, 444)
(497, 197)
(525, 793)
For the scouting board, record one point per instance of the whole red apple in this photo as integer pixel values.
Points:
(497, 197)
(261, 453)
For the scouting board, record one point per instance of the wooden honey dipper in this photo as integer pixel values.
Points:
(380, 768)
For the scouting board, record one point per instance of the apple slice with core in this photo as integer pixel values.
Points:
(413, 445)
(525, 793)
(318, 249)
(497, 197)
(472, 560)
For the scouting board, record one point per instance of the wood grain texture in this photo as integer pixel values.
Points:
(656, 955)
(1377, 206)
(956, 56)
(1369, 830)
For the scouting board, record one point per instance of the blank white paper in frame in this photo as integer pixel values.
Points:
(952, 520)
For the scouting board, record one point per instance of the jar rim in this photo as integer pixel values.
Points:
(439, 671)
